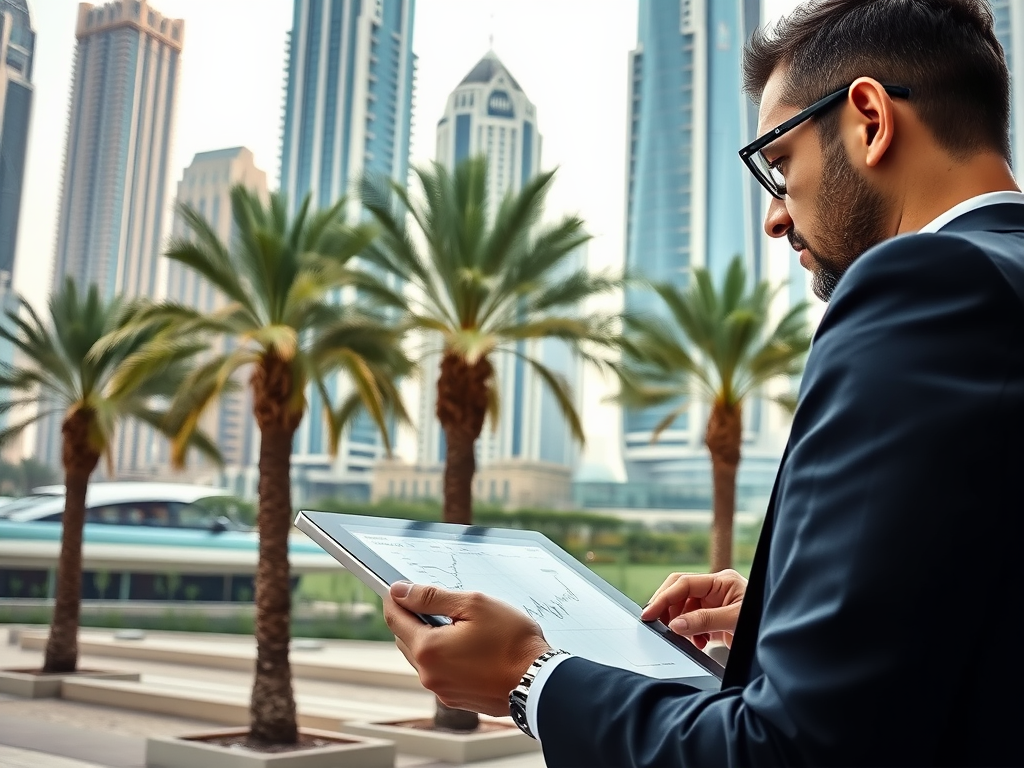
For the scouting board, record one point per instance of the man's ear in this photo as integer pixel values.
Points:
(874, 120)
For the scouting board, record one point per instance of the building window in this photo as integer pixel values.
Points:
(506, 491)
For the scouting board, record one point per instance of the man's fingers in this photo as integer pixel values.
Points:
(705, 620)
(685, 586)
(406, 652)
(427, 599)
(401, 622)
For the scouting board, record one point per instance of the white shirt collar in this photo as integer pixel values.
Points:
(972, 204)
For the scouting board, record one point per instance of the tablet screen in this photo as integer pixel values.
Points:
(573, 613)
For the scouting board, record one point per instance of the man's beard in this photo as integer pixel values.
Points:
(851, 215)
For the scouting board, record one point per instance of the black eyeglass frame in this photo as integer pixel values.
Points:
(816, 108)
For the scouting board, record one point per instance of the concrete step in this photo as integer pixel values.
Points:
(376, 664)
(226, 704)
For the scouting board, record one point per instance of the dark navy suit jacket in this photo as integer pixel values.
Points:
(883, 619)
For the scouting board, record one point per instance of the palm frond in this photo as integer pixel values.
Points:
(710, 343)
(11, 432)
(559, 387)
(573, 290)
(196, 439)
(151, 361)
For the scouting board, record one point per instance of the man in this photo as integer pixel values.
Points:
(882, 622)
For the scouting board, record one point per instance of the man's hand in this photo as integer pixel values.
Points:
(701, 607)
(472, 663)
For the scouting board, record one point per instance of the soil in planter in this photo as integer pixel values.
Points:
(242, 741)
(427, 724)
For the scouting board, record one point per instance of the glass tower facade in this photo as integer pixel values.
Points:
(1009, 27)
(17, 47)
(116, 184)
(206, 185)
(690, 202)
(347, 111)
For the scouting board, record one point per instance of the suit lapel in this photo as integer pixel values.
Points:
(999, 217)
(741, 655)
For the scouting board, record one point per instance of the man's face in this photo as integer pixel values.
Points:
(831, 214)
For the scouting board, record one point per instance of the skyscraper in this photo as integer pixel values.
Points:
(206, 186)
(690, 202)
(489, 114)
(348, 110)
(1009, 18)
(17, 46)
(115, 190)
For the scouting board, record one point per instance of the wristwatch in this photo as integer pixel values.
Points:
(517, 697)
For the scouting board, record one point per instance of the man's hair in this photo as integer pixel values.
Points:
(945, 51)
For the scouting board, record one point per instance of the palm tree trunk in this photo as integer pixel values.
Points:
(461, 409)
(272, 706)
(454, 719)
(459, 468)
(79, 460)
(724, 437)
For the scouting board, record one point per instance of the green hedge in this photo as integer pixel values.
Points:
(590, 537)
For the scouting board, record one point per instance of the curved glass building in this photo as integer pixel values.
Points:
(690, 202)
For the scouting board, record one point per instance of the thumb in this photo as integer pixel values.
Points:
(424, 598)
(703, 620)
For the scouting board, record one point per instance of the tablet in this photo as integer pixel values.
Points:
(578, 611)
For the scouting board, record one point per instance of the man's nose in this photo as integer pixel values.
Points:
(777, 221)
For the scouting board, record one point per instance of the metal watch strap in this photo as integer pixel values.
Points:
(517, 697)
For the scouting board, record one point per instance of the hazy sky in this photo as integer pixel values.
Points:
(570, 57)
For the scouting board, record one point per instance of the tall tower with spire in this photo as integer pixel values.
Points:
(489, 114)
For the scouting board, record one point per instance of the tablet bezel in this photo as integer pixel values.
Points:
(344, 546)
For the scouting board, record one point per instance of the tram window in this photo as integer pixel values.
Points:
(191, 516)
(157, 514)
(56, 517)
(108, 515)
(132, 514)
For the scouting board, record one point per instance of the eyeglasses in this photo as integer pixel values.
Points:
(768, 174)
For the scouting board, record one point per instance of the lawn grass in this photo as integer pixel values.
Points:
(637, 581)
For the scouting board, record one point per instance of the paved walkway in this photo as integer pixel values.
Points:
(53, 733)
(31, 741)
(24, 758)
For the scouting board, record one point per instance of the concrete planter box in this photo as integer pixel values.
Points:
(25, 683)
(501, 740)
(192, 751)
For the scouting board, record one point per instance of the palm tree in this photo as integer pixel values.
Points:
(84, 366)
(719, 347)
(278, 321)
(483, 284)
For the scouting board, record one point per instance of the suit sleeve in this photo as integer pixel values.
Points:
(908, 401)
